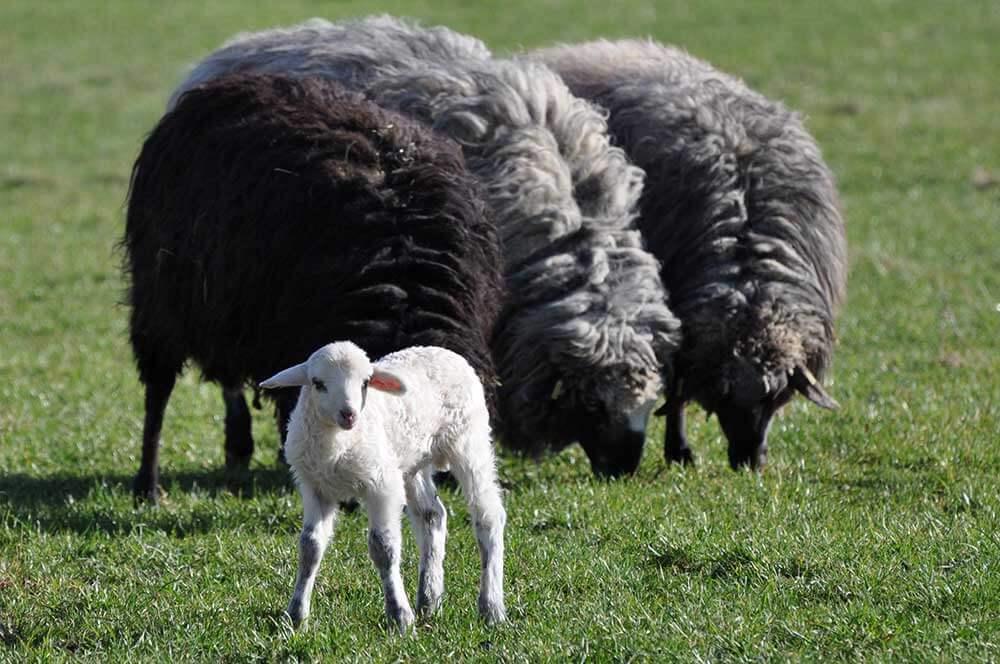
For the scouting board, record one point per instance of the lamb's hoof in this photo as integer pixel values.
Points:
(297, 614)
(402, 620)
(492, 613)
(429, 605)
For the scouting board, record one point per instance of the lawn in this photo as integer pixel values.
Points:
(873, 534)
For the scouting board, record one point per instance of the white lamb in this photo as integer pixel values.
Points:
(429, 411)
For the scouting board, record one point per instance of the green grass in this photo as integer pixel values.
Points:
(874, 534)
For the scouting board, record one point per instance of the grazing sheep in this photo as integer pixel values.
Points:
(427, 409)
(585, 329)
(744, 216)
(267, 214)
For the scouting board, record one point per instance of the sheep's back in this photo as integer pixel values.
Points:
(738, 205)
(268, 216)
(360, 48)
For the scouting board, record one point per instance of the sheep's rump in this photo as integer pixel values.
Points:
(270, 215)
(738, 206)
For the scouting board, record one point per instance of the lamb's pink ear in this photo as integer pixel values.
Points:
(386, 381)
(296, 376)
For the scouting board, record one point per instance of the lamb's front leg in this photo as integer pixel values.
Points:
(430, 525)
(385, 548)
(317, 528)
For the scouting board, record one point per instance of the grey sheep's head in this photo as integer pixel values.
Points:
(606, 412)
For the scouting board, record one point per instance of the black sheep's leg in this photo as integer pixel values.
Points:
(675, 444)
(158, 390)
(284, 403)
(239, 439)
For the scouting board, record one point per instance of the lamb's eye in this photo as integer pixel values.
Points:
(319, 385)
(364, 386)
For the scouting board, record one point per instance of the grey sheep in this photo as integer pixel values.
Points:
(586, 329)
(744, 216)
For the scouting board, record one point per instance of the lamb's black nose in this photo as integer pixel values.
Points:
(347, 418)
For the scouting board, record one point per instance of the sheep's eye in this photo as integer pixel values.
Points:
(319, 385)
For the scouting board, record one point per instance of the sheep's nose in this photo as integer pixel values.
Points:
(347, 417)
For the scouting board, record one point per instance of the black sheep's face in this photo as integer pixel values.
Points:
(745, 398)
(746, 427)
(607, 419)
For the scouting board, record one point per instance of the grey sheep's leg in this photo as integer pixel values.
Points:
(675, 444)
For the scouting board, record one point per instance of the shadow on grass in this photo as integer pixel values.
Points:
(87, 503)
(734, 563)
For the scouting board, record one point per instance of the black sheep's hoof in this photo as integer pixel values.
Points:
(237, 478)
(237, 462)
(145, 491)
(682, 456)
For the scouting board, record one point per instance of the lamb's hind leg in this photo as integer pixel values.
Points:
(430, 525)
(475, 469)
(385, 549)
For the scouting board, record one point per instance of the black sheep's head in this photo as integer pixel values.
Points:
(745, 395)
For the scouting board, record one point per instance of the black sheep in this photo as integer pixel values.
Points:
(269, 215)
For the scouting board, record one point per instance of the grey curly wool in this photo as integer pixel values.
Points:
(586, 329)
(744, 216)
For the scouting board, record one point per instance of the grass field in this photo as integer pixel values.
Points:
(874, 533)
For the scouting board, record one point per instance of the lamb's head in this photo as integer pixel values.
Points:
(336, 379)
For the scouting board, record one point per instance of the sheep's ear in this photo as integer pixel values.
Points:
(296, 376)
(805, 382)
(386, 381)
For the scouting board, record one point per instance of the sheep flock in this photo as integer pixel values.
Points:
(584, 232)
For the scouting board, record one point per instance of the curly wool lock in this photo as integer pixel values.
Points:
(585, 329)
(269, 214)
(744, 216)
